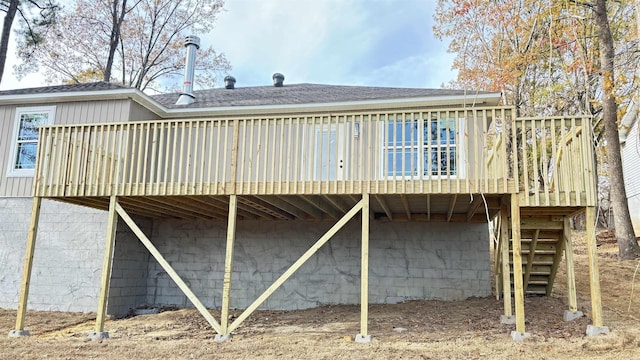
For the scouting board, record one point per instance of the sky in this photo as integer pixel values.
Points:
(339, 42)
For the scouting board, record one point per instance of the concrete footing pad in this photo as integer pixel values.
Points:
(222, 338)
(570, 315)
(517, 336)
(98, 335)
(363, 339)
(597, 330)
(18, 333)
(507, 320)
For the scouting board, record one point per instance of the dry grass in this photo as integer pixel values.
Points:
(430, 329)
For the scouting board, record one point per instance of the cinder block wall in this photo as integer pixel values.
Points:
(128, 287)
(407, 261)
(67, 260)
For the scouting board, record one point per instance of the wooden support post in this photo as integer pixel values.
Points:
(364, 337)
(506, 269)
(296, 265)
(571, 276)
(26, 271)
(228, 268)
(594, 275)
(167, 267)
(112, 221)
(517, 268)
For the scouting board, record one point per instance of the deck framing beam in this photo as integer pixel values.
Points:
(384, 206)
(296, 265)
(452, 205)
(28, 266)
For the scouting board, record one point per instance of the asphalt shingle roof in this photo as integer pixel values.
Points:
(94, 86)
(289, 94)
(299, 94)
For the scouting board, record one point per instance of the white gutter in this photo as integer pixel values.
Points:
(486, 99)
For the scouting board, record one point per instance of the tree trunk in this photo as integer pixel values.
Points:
(6, 32)
(114, 40)
(627, 245)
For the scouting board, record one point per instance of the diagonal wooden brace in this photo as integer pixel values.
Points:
(293, 268)
(167, 267)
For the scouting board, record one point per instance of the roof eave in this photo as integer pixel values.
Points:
(484, 99)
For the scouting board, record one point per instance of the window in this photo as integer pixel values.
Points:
(25, 138)
(422, 148)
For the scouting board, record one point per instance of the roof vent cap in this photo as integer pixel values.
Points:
(192, 40)
(278, 80)
(229, 82)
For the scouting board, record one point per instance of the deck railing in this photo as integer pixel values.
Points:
(422, 151)
(555, 161)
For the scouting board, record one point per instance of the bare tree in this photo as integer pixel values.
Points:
(11, 8)
(134, 43)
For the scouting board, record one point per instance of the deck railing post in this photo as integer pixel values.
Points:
(234, 156)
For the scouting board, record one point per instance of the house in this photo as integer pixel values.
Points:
(285, 197)
(630, 148)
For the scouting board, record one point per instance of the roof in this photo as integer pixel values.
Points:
(301, 94)
(291, 98)
(94, 86)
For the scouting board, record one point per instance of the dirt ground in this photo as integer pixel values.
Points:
(413, 330)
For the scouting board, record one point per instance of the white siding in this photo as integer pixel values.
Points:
(631, 169)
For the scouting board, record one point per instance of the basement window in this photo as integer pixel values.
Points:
(25, 138)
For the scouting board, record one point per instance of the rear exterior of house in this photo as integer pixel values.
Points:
(285, 197)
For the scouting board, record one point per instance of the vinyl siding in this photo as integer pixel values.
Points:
(631, 161)
(631, 170)
(66, 113)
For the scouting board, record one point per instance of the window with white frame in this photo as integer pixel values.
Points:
(423, 148)
(25, 138)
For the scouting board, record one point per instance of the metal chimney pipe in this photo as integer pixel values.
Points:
(192, 43)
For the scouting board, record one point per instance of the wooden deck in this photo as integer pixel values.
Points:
(528, 175)
(420, 164)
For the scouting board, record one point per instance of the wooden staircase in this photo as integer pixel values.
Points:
(543, 245)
